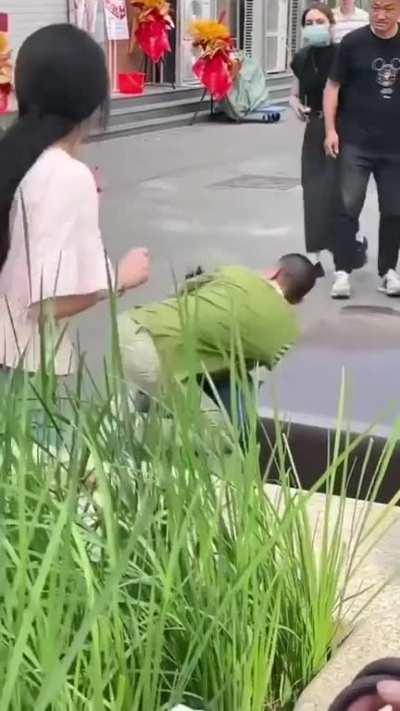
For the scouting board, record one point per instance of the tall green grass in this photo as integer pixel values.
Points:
(143, 565)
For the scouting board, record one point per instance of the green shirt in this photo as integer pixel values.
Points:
(212, 315)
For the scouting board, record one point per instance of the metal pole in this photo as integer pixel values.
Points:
(196, 113)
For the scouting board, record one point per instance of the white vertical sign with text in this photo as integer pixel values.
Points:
(116, 20)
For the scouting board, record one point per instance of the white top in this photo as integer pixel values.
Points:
(347, 23)
(55, 250)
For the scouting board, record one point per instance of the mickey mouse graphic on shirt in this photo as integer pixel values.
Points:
(386, 74)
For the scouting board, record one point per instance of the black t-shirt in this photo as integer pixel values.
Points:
(368, 70)
(311, 66)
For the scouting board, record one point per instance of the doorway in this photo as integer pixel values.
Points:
(190, 10)
(276, 34)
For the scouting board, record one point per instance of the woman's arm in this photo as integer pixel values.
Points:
(132, 271)
(62, 307)
(299, 109)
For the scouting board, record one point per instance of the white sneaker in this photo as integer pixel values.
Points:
(391, 284)
(341, 288)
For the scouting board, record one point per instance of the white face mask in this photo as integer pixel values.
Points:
(317, 35)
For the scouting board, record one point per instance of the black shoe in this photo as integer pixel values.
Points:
(361, 254)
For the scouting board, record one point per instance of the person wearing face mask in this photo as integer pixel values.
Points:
(311, 66)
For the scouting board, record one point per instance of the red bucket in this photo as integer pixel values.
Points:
(132, 83)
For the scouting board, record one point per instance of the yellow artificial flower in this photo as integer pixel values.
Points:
(4, 48)
(205, 31)
(161, 5)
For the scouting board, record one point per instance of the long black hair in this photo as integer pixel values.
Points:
(61, 80)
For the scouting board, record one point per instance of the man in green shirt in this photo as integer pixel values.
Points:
(233, 311)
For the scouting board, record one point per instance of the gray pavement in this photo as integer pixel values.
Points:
(218, 194)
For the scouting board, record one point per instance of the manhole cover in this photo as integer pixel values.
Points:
(260, 182)
(369, 311)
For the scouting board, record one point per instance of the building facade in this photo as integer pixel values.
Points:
(26, 16)
(272, 32)
(268, 30)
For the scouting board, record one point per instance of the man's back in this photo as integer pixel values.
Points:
(205, 324)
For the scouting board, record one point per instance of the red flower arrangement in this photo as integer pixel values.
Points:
(215, 64)
(154, 23)
(5, 72)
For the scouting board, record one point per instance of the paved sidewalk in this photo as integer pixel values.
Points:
(213, 194)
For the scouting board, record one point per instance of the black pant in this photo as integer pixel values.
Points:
(221, 392)
(318, 179)
(356, 165)
(223, 387)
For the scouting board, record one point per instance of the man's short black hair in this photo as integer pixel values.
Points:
(297, 276)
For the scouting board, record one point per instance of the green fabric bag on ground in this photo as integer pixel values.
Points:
(249, 91)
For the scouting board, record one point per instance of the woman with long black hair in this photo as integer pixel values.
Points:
(52, 260)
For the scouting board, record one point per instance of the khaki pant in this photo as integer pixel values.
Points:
(142, 367)
(140, 359)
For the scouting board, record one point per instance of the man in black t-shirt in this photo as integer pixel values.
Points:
(362, 124)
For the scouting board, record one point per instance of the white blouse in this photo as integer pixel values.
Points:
(344, 24)
(55, 250)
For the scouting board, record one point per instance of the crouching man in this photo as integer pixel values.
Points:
(234, 309)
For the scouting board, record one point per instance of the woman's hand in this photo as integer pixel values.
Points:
(299, 109)
(133, 269)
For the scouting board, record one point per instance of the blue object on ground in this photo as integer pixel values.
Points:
(265, 114)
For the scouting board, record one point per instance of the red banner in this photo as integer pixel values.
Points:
(153, 39)
(214, 74)
(214, 68)
(3, 22)
(153, 25)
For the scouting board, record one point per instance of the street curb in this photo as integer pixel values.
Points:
(311, 445)
(375, 634)
(374, 638)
